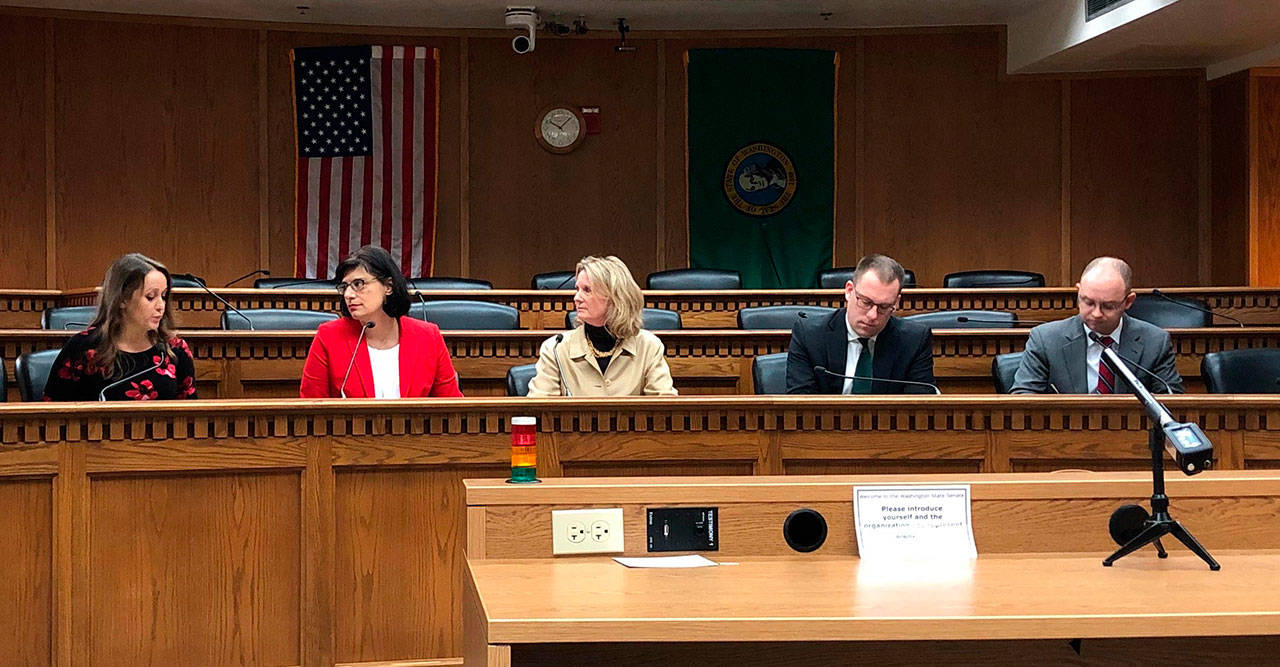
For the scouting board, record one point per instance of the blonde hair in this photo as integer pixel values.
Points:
(611, 277)
(123, 280)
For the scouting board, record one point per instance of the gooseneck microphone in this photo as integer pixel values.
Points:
(1093, 336)
(342, 388)
(247, 275)
(200, 281)
(1184, 304)
(423, 301)
(908, 383)
(976, 320)
(102, 395)
(555, 354)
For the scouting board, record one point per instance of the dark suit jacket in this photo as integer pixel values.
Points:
(1056, 354)
(425, 367)
(903, 351)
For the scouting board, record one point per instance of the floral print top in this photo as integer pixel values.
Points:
(74, 376)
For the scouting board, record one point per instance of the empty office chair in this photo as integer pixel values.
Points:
(993, 279)
(951, 319)
(447, 283)
(555, 280)
(183, 281)
(769, 373)
(67, 317)
(293, 283)
(1003, 368)
(467, 315)
(778, 317)
(32, 372)
(837, 277)
(1251, 371)
(1170, 313)
(694, 279)
(518, 379)
(655, 319)
(275, 319)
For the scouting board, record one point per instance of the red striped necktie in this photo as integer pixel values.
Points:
(1106, 380)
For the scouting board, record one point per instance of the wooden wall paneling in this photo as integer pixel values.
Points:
(156, 146)
(26, 585)
(1135, 175)
(23, 161)
(283, 148)
(1266, 176)
(195, 568)
(534, 211)
(1204, 221)
(962, 165)
(1229, 176)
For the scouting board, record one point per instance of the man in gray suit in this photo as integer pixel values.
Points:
(1062, 357)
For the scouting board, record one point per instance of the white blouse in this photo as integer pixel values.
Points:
(386, 372)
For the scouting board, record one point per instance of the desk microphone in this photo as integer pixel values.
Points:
(977, 320)
(423, 301)
(102, 395)
(555, 353)
(908, 383)
(200, 281)
(247, 275)
(1093, 336)
(1184, 304)
(342, 388)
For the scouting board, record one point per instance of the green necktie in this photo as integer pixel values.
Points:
(863, 368)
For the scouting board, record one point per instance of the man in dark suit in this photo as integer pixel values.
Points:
(1062, 356)
(862, 339)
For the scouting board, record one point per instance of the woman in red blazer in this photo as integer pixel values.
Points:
(396, 357)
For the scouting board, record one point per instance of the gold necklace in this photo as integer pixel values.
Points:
(591, 346)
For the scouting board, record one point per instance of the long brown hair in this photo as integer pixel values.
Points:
(123, 280)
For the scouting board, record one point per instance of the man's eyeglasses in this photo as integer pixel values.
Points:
(864, 303)
(358, 285)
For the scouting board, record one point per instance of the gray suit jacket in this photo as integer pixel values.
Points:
(1055, 355)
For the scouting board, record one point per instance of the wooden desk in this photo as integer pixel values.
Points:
(545, 309)
(1041, 540)
(235, 364)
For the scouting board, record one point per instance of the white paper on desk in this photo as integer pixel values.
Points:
(666, 561)
(913, 522)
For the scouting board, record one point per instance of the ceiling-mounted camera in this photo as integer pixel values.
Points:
(526, 19)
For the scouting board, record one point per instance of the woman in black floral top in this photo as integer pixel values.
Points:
(130, 349)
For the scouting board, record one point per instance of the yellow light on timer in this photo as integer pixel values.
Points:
(524, 450)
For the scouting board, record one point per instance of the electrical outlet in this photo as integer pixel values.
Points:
(595, 531)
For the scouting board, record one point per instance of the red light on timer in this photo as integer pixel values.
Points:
(591, 119)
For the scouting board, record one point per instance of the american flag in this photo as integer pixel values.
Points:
(367, 134)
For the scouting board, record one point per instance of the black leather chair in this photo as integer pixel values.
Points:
(293, 283)
(4, 387)
(778, 317)
(183, 282)
(446, 283)
(950, 319)
(837, 277)
(769, 373)
(1168, 314)
(276, 319)
(67, 317)
(518, 379)
(467, 315)
(1248, 371)
(554, 280)
(694, 279)
(32, 371)
(655, 319)
(1003, 368)
(993, 279)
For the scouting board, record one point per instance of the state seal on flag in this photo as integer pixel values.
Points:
(759, 179)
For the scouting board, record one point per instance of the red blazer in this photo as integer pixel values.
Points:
(425, 367)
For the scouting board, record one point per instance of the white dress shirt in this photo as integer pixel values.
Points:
(1093, 355)
(855, 351)
(386, 371)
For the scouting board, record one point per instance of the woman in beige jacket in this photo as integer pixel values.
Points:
(608, 354)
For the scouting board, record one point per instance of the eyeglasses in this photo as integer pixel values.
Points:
(864, 303)
(358, 285)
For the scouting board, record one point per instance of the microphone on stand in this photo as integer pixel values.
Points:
(247, 275)
(203, 286)
(1184, 304)
(423, 301)
(976, 320)
(555, 353)
(909, 383)
(1093, 336)
(102, 395)
(342, 388)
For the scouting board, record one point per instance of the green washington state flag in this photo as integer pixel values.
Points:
(762, 163)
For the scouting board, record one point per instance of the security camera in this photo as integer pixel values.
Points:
(522, 18)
